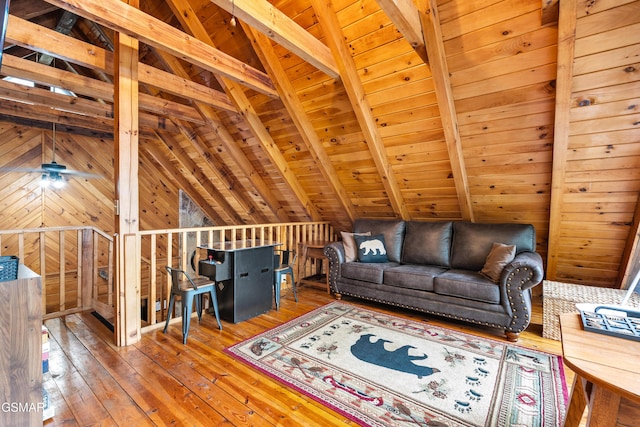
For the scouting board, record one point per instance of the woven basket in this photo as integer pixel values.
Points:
(558, 298)
(8, 268)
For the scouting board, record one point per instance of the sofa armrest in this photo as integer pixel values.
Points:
(518, 277)
(335, 254)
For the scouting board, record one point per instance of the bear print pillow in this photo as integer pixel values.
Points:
(371, 248)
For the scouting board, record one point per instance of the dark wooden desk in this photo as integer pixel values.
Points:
(244, 273)
(607, 376)
(312, 249)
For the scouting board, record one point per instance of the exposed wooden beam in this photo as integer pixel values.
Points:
(65, 25)
(564, 80)
(127, 215)
(31, 9)
(50, 76)
(185, 88)
(192, 181)
(446, 106)
(266, 18)
(288, 95)
(189, 20)
(226, 186)
(29, 111)
(404, 15)
(156, 152)
(244, 164)
(126, 19)
(85, 107)
(358, 97)
(43, 40)
(97, 127)
(67, 128)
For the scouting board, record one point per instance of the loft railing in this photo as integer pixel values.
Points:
(77, 264)
(175, 247)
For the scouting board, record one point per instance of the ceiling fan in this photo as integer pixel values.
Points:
(53, 173)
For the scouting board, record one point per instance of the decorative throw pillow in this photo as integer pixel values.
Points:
(499, 256)
(371, 248)
(349, 243)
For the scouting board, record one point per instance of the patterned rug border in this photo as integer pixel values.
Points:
(338, 406)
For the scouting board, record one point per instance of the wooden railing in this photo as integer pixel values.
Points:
(75, 263)
(175, 247)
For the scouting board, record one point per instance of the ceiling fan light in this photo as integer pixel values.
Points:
(57, 180)
(44, 181)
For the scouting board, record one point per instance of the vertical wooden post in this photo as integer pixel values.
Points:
(87, 266)
(127, 319)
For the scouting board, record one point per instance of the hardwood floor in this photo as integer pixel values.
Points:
(160, 381)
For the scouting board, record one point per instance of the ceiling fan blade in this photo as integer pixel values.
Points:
(79, 173)
(46, 170)
(23, 170)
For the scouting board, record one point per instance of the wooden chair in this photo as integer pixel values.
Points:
(283, 267)
(188, 290)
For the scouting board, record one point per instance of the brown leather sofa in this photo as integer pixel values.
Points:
(434, 267)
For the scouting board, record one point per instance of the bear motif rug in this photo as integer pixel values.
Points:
(381, 370)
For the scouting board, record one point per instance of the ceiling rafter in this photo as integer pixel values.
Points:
(189, 20)
(358, 98)
(230, 144)
(446, 106)
(198, 181)
(288, 95)
(266, 18)
(161, 155)
(214, 170)
(404, 15)
(126, 19)
(44, 40)
(93, 88)
(64, 26)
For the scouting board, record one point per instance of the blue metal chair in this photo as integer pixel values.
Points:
(283, 266)
(188, 290)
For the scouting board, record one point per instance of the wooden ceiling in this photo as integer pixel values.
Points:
(334, 110)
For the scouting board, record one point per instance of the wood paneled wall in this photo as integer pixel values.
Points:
(539, 143)
(598, 180)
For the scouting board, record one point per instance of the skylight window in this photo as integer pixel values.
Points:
(19, 81)
(29, 83)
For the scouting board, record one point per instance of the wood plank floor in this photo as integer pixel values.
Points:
(160, 381)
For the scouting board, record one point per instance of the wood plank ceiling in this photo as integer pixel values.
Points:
(293, 110)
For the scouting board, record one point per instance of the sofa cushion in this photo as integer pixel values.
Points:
(367, 272)
(408, 276)
(393, 231)
(427, 243)
(371, 248)
(499, 256)
(472, 242)
(349, 243)
(467, 284)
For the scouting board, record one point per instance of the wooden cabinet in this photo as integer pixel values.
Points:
(245, 276)
(21, 350)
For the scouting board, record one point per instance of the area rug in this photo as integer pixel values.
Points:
(381, 370)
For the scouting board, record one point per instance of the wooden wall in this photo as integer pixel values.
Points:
(563, 161)
(598, 179)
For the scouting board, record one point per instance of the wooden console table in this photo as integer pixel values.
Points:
(312, 249)
(607, 378)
